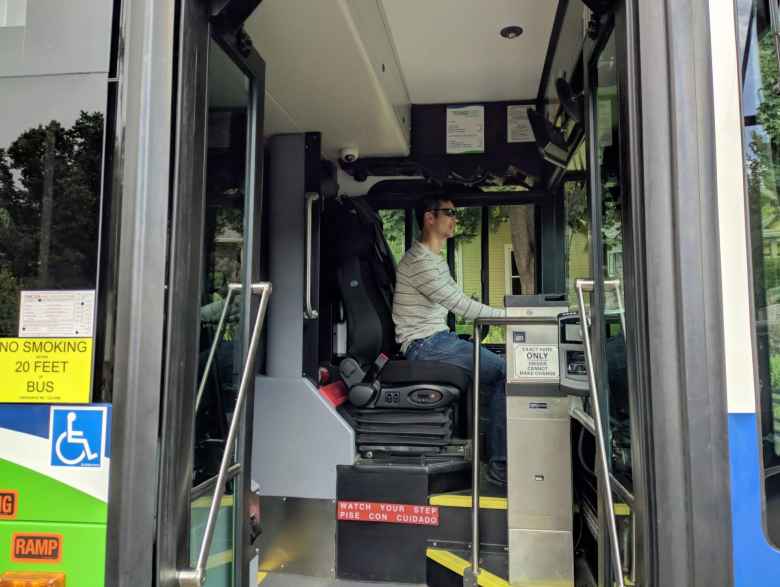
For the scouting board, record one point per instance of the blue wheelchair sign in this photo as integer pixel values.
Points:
(77, 437)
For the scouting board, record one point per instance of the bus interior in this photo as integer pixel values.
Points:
(501, 107)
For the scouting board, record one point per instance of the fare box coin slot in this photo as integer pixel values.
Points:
(9, 504)
(36, 548)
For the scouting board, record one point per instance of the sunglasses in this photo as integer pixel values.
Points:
(446, 211)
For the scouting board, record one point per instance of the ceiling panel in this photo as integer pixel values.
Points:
(451, 50)
(320, 76)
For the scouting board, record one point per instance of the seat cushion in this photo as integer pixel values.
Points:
(410, 372)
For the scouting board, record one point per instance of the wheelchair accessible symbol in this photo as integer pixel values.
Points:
(77, 437)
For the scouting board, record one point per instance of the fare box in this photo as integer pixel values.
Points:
(46, 370)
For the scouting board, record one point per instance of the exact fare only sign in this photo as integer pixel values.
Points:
(45, 370)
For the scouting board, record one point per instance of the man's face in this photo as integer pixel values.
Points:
(443, 220)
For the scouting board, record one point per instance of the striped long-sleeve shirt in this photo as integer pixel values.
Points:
(425, 292)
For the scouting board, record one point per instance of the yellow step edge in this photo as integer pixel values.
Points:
(621, 509)
(219, 559)
(458, 565)
(455, 500)
(205, 502)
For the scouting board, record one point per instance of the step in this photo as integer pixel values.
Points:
(464, 500)
(446, 568)
(394, 552)
(455, 519)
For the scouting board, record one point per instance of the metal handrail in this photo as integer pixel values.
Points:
(232, 287)
(203, 488)
(622, 491)
(473, 573)
(197, 576)
(584, 418)
(603, 470)
(311, 197)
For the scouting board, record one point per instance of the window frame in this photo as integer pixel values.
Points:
(4, 10)
(769, 460)
(484, 203)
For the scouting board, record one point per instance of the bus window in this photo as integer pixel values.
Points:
(468, 259)
(577, 236)
(612, 195)
(222, 306)
(51, 158)
(761, 139)
(511, 273)
(511, 229)
(394, 226)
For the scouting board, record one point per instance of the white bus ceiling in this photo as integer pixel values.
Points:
(351, 68)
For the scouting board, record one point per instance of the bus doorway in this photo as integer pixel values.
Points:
(543, 197)
(160, 181)
(218, 303)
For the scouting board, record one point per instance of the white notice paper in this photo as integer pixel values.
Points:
(518, 127)
(57, 313)
(465, 130)
(536, 361)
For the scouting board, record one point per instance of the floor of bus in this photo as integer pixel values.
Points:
(285, 580)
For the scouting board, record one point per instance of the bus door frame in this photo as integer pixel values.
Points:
(161, 134)
(674, 338)
(198, 28)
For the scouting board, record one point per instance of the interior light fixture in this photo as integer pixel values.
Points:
(511, 32)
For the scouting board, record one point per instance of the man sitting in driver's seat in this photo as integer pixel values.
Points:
(425, 292)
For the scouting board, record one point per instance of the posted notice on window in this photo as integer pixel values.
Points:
(57, 313)
(518, 127)
(46, 370)
(465, 130)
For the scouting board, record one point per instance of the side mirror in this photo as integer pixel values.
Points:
(573, 104)
(549, 139)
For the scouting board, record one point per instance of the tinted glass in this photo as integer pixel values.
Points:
(761, 138)
(577, 238)
(54, 63)
(468, 260)
(512, 228)
(223, 252)
(395, 231)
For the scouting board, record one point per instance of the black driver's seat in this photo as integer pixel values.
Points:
(417, 401)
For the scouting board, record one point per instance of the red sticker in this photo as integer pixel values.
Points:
(387, 513)
(9, 504)
(36, 548)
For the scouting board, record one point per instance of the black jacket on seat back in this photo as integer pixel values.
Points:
(365, 274)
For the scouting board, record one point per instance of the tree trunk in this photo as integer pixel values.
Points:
(521, 224)
(47, 201)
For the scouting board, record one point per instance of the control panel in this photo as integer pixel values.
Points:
(571, 352)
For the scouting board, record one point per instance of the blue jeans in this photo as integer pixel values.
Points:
(448, 348)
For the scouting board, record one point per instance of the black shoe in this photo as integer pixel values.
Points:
(496, 473)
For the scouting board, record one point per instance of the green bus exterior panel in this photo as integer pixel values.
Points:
(83, 551)
(44, 499)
